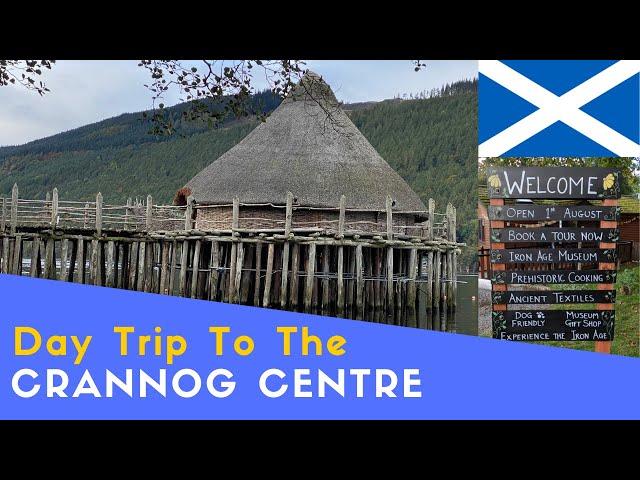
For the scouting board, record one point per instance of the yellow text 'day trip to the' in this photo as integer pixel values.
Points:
(29, 341)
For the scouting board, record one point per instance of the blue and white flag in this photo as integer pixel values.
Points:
(559, 108)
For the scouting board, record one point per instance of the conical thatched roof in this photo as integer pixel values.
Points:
(307, 146)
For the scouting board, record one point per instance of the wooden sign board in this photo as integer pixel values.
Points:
(522, 297)
(553, 182)
(576, 213)
(572, 235)
(553, 255)
(553, 276)
(559, 325)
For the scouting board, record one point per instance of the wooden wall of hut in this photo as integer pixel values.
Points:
(382, 280)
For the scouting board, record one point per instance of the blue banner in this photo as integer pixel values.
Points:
(72, 351)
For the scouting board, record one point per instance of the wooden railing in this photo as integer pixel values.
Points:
(145, 216)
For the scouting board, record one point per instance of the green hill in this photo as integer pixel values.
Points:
(431, 142)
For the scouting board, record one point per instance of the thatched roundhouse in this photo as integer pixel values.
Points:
(310, 147)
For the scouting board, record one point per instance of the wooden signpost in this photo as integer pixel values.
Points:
(545, 226)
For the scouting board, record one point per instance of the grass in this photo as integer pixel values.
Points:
(626, 339)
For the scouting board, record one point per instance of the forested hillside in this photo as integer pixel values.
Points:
(431, 142)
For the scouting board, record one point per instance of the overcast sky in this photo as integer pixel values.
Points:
(84, 92)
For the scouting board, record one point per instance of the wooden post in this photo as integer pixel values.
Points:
(341, 218)
(432, 218)
(127, 213)
(295, 266)
(5, 255)
(184, 262)
(172, 269)
(288, 214)
(437, 281)
(110, 267)
(285, 250)
(232, 272)
(142, 259)
(80, 258)
(340, 305)
(188, 213)
(311, 271)
(377, 272)
(148, 267)
(235, 298)
(3, 219)
(266, 296)
(164, 268)
(50, 259)
(14, 208)
(325, 281)
(54, 209)
(256, 283)
(64, 253)
(388, 205)
(35, 257)
(99, 213)
(359, 283)
(85, 224)
(390, 304)
(133, 265)
(214, 264)
(605, 346)
(235, 220)
(195, 269)
(429, 289)
(411, 287)
(149, 212)
(17, 256)
(495, 287)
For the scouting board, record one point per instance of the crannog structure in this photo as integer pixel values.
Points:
(303, 214)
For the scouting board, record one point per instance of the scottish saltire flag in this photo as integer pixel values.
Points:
(559, 108)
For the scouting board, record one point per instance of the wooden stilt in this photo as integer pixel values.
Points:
(148, 267)
(172, 268)
(50, 259)
(238, 277)
(437, 280)
(285, 276)
(110, 274)
(214, 264)
(35, 257)
(80, 262)
(359, 266)
(266, 296)
(142, 260)
(133, 265)
(184, 264)
(340, 301)
(16, 268)
(5, 255)
(325, 280)
(258, 275)
(389, 274)
(411, 287)
(195, 269)
(248, 273)
(311, 271)
(295, 266)
(164, 268)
